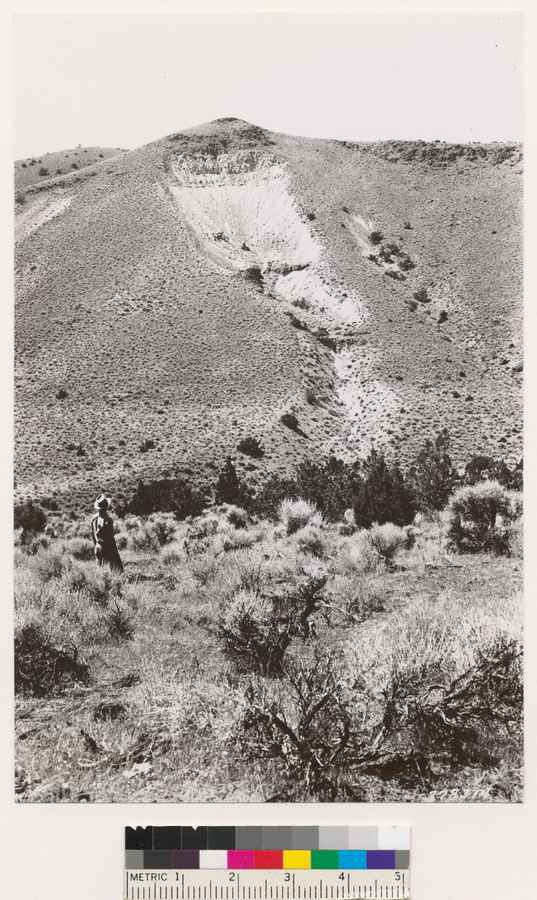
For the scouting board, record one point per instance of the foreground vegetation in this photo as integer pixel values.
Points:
(285, 658)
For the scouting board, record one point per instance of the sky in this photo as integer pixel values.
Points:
(124, 80)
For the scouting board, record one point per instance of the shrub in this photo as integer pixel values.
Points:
(307, 730)
(250, 446)
(29, 516)
(254, 274)
(387, 539)
(485, 468)
(62, 394)
(80, 548)
(239, 539)
(296, 514)
(99, 584)
(442, 317)
(454, 721)
(421, 295)
(40, 667)
(144, 539)
(165, 495)
(43, 171)
(479, 518)
(268, 499)
(290, 421)
(147, 445)
(375, 237)
(310, 540)
(163, 526)
(405, 263)
(301, 303)
(251, 635)
(255, 630)
(329, 486)
(119, 624)
(236, 516)
(49, 503)
(171, 556)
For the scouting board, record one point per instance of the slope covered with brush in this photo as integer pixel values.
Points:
(226, 283)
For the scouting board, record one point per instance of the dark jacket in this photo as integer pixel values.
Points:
(102, 532)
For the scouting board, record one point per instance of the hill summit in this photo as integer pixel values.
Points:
(227, 282)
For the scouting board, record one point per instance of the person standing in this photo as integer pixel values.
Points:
(102, 532)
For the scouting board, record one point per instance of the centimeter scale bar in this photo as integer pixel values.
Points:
(268, 884)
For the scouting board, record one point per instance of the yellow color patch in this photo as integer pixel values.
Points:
(297, 859)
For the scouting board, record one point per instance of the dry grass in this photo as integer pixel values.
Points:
(163, 707)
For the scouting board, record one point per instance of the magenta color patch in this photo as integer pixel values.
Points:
(240, 859)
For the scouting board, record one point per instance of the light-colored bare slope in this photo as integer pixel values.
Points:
(190, 292)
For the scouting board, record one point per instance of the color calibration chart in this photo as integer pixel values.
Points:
(287, 862)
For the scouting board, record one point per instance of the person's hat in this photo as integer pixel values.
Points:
(102, 502)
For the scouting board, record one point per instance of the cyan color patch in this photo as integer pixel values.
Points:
(353, 859)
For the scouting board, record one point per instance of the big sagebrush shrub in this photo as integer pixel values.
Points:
(251, 447)
(296, 514)
(480, 518)
(255, 630)
(387, 539)
(41, 668)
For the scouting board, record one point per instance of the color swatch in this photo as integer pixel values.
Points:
(268, 847)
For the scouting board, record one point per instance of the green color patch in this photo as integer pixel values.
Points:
(325, 859)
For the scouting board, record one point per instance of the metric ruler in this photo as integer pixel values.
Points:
(266, 884)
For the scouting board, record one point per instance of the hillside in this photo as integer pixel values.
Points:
(189, 293)
(36, 169)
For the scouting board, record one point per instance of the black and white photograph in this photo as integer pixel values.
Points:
(268, 469)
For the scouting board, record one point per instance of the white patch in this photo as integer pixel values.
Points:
(369, 402)
(41, 210)
(244, 216)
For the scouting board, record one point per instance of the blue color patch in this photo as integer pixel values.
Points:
(352, 859)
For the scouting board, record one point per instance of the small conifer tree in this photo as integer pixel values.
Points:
(228, 487)
(433, 477)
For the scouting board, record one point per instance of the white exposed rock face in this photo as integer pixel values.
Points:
(39, 211)
(243, 215)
